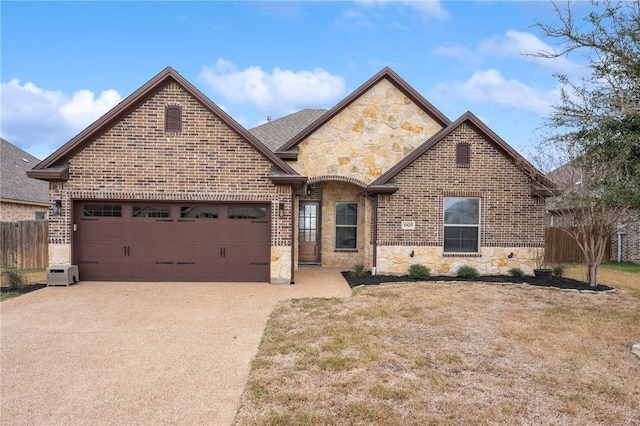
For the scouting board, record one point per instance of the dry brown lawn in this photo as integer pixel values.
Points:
(449, 353)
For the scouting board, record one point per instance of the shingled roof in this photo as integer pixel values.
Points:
(276, 133)
(15, 185)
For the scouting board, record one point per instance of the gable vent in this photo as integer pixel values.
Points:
(463, 156)
(173, 119)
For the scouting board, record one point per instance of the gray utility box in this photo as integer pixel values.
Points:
(62, 275)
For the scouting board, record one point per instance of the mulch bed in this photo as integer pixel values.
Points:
(559, 283)
(26, 289)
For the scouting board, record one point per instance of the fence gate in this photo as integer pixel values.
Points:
(25, 244)
(560, 247)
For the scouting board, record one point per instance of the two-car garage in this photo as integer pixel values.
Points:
(156, 241)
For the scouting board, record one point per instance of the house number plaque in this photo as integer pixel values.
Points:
(408, 225)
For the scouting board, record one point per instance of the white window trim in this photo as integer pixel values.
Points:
(462, 225)
(335, 243)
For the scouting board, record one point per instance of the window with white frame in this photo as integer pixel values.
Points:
(461, 225)
(346, 225)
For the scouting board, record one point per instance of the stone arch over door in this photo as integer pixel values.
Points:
(337, 192)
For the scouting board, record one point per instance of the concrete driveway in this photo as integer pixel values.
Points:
(138, 353)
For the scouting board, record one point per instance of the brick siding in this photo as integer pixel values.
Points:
(136, 159)
(510, 216)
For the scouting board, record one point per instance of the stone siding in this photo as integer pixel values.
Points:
(396, 260)
(367, 138)
(16, 212)
(332, 193)
(511, 220)
(207, 161)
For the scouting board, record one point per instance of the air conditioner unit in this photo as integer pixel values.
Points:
(62, 275)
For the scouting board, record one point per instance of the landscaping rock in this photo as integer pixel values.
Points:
(635, 349)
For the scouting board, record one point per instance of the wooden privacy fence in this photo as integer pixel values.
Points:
(560, 247)
(25, 244)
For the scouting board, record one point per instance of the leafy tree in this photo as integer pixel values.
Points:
(595, 128)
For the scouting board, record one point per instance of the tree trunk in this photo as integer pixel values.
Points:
(593, 274)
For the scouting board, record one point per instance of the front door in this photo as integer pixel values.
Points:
(308, 231)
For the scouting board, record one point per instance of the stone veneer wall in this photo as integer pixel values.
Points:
(332, 193)
(353, 149)
(207, 161)
(511, 220)
(396, 260)
(16, 212)
(366, 138)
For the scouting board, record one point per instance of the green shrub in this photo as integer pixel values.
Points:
(13, 280)
(358, 271)
(468, 272)
(419, 272)
(516, 273)
(558, 270)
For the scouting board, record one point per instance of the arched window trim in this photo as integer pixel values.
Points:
(463, 154)
(173, 119)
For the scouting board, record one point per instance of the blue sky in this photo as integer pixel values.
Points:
(64, 64)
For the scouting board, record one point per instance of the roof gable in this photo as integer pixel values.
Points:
(15, 185)
(385, 182)
(385, 73)
(76, 144)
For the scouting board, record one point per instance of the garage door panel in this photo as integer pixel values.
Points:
(103, 271)
(101, 250)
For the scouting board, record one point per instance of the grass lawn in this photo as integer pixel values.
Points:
(450, 353)
(32, 276)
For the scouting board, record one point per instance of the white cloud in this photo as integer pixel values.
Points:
(426, 8)
(280, 91)
(39, 120)
(350, 18)
(84, 108)
(524, 45)
(459, 52)
(490, 87)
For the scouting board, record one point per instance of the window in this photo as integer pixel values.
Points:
(346, 225)
(102, 210)
(461, 225)
(173, 119)
(40, 215)
(463, 154)
(151, 211)
(247, 212)
(199, 212)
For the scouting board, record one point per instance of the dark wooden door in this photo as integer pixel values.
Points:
(308, 231)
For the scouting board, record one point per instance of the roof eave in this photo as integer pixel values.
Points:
(57, 174)
(287, 155)
(293, 180)
(382, 189)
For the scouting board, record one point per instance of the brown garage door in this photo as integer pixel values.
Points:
(172, 242)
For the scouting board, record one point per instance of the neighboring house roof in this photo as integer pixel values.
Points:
(276, 133)
(541, 186)
(15, 185)
(53, 167)
(567, 174)
(394, 79)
